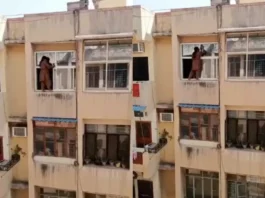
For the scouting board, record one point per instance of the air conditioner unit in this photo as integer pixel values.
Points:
(138, 47)
(19, 131)
(166, 117)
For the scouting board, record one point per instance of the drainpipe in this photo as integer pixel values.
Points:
(219, 26)
(76, 32)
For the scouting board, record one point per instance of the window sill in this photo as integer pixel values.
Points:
(198, 143)
(54, 160)
(199, 80)
(244, 150)
(106, 91)
(105, 167)
(55, 91)
(244, 80)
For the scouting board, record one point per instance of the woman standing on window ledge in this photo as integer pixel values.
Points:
(45, 79)
(197, 62)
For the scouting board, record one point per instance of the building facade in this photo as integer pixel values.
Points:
(118, 116)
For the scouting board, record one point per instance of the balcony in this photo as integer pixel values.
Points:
(106, 180)
(54, 172)
(50, 104)
(147, 160)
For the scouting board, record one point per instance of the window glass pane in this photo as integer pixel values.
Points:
(194, 121)
(241, 190)
(232, 130)
(261, 130)
(256, 66)
(215, 189)
(118, 129)
(236, 43)
(65, 59)
(184, 119)
(189, 186)
(256, 43)
(231, 189)
(95, 52)
(242, 131)
(117, 76)
(88, 195)
(209, 68)
(101, 146)
(252, 131)
(60, 143)
(94, 128)
(210, 48)
(95, 76)
(39, 141)
(49, 191)
(90, 146)
(236, 65)
(49, 140)
(214, 127)
(232, 114)
(113, 147)
(198, 187)
(124, 149)
(207, 187)
(143, 129)
(242, 114)
(71, 137)
(64, 78)
(119, 51)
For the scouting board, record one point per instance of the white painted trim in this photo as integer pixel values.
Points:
(54, 160)
(104, 36)
(243, 29)
(198, 143)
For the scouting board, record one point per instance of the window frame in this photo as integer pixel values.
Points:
(41, 194)
(54, 130)
(54, 70)
(246, 52)
(247, 120)
(107, 135)
(201, 177)
(209, 125)
(202, 58)
(106, 62)
(1, 148)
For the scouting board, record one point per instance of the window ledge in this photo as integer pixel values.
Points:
(200, 80)
(244, 80)
(107, 91)
(104, 167)
(54, 160)
(55, 91)
(198, 143)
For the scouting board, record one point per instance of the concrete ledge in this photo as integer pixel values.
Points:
(54, 160)
(198, 143)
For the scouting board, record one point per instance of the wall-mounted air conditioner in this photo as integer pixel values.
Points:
(138, 47)
(166, 117)
(19, 132)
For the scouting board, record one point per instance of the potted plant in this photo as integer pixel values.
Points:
(245, 145)
(16, 153)
(229, 144)
(118, 164)
(251, 146)
(111, 162)
(104, 162)
(87, 160)
(164, 136)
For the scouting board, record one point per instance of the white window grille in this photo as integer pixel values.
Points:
(245, 56)
(209, 60)
(63, 74)
(108, 65)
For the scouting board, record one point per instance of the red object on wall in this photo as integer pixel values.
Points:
(136, 90)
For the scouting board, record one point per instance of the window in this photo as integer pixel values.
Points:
(209, 60)
(245, 186)
(107, 65)
(140, 69)
(201, 184)
(1, 149)
(245, 56)
(200, 125)
(143, 133)
(63, 75)
(57, 142)
(88, 195)
(246, 129)
(54, 193)
(109, 143)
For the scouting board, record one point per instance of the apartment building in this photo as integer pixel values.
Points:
(122, 118)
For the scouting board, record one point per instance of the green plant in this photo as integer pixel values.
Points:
(18, 150)
(165, 135)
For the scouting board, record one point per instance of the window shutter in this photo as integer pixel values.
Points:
(136, 90)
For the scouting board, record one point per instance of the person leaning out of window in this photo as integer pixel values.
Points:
(197, 63)
(45, 67)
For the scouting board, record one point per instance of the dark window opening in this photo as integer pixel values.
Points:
(145, 189)
(1, 149)
(140, 69)
(143, 134)
(186, 68)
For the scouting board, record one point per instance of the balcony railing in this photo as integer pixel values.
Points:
(6, 165)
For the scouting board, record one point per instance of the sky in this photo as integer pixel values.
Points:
(9, 7)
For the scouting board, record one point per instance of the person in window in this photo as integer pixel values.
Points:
(45, 67)
(197, 62)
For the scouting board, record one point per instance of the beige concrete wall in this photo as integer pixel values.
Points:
(162, 23)
(20, 171)
(20, 193)
(114, 3)
(163, 70)
(16, 80)
(167, 181)
(15, 30)
(168, 153)
(250, 1)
